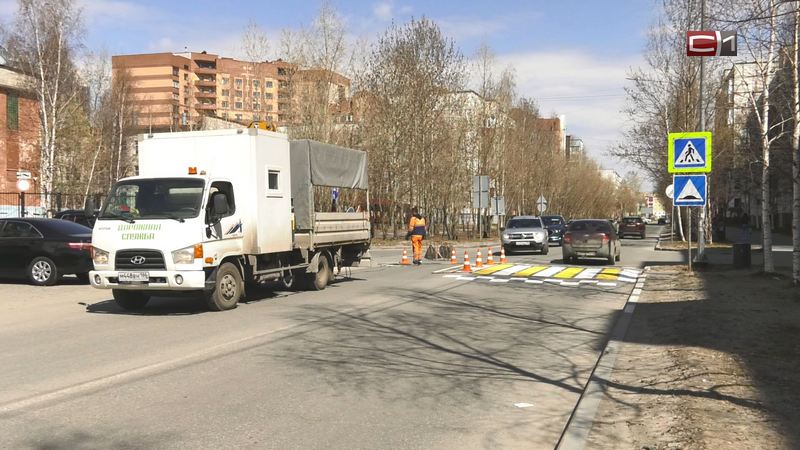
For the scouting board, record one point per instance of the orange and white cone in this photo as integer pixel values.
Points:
(490, 258)
(467, 267)
(479, 259)
(453, 259)
(503, 258)
(404, 261)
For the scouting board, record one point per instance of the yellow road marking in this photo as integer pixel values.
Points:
(609, 274)
(529, 271)
(569, 272)
(493, 269)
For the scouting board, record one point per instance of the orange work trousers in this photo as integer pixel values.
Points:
(416, 242)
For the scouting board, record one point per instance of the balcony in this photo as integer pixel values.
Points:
(205, 106)
(206, 82)
(201, 94)
(205, 70)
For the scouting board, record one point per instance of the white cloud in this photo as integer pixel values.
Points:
(110, 11)
(587, 89)
(466, 27)
(383, 11)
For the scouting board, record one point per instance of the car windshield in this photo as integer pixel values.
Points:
(552, 220)
(524, 223)
(591, 226)
(632, 220)
(178, 198)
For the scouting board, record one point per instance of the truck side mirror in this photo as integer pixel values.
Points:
(88, 208)
(219, 207)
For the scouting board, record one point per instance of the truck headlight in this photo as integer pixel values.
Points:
(505, 236)
(99, 257)
(538, 236)
(187, 255)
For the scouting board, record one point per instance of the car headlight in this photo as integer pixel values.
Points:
(99, 257)
(187, 255)
(505, 236)
(538, 235)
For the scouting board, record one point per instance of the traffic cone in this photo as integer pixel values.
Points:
(503, 258)
(404, 260)
(479, 259)
(467, 267)
(453, 259)
(490, 258)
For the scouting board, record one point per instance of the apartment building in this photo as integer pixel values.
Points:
(174, 91)
(19, 128)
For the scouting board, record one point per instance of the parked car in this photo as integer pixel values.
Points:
(525, 233)
(663, 221)
(591, 238)
(77, 216)
(633, 226)
(45, 249)
(555, 228)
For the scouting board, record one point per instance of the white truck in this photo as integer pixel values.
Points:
(215, 212)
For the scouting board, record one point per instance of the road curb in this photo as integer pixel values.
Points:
(580, 422)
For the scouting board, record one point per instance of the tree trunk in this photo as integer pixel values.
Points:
(766, 209)
(795, 145)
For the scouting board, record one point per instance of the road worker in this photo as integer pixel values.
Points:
(417, 229)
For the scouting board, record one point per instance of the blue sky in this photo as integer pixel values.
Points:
(571, 55)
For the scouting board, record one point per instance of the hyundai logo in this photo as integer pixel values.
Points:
(138, 260)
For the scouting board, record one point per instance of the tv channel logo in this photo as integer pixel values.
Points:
(711, 43)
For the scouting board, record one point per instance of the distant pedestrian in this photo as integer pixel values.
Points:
(417, 230)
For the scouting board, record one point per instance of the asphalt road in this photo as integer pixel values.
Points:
(393, 357)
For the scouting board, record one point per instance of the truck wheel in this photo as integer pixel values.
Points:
(227, 289)
(289, 279)
(318, 281)
(130, 300)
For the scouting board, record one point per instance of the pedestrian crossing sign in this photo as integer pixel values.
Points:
(690, 152)
(690, 190)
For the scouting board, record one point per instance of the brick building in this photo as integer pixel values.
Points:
(19, 128)
(174, 91)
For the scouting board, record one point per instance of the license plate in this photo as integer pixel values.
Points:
(585, 254)
(523, 243)
(134, 277)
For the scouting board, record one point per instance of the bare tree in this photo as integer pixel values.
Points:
(44, 41)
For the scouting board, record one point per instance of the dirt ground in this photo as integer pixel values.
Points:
(711, 361)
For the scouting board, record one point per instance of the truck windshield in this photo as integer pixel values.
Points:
(162, 198)
(524, 223)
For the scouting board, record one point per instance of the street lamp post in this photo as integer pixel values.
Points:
(23, 184)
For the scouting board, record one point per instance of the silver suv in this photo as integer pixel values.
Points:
(525, 233)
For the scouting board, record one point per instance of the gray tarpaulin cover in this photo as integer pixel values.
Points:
(317, 164)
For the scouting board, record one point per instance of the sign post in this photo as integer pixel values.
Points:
(480, 198)
(690, 190)
(541, 204)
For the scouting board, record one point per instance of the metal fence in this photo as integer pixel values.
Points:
(33, 204)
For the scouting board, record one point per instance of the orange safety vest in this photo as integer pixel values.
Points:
(417, 227)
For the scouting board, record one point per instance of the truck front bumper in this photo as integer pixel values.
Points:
(158, 280)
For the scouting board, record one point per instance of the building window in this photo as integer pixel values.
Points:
(283, 96)
(256, 117)
(256, 94)
(268, 95)
(176, 84)
(256, 84)
(185, 67)
(257, 106)
(238, 105)
(269, 84)
(281, 71)
(174, 71)
(238, 93)
(273, 180)
(225, 80)
(225, 104)
(239, 117)
(238, 83)
(268, 106)
(283, 84)
(224, 115)
(226, 92)
(12, 111)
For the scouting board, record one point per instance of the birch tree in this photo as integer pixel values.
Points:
(44, 39)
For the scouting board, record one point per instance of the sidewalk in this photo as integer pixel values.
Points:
(710, 361)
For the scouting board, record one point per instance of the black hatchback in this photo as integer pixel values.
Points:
(44, 249)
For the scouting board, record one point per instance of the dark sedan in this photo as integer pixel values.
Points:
(77, 216)
(44, 249)
(556, 225)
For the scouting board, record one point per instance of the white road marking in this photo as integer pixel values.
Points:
(633, 299)
(553, 280)
(627, 280)
(549, 272)
(588, 282)
(513, 269)
(517, 279)
(460, 278)
(637, 292)
(523, 405)
(630, 273)
(587, 274)
(484, 278)
(500, 280)
(534, 281)
(601, 283)
(570, 283)
(449, 269)
(452, 276)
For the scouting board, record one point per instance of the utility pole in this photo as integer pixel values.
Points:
(701, 223)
